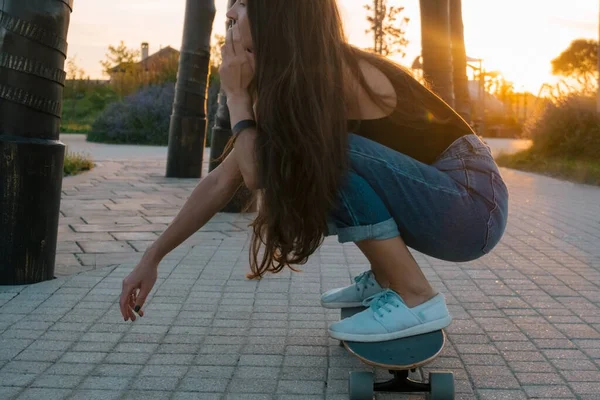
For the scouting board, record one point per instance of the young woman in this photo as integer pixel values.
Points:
(338, 141)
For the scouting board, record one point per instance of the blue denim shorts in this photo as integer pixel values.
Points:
(455, 209)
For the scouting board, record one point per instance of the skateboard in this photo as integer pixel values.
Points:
(399, 356)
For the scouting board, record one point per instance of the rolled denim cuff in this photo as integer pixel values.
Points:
(380, 231)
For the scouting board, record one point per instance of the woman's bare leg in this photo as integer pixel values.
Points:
(394, 267)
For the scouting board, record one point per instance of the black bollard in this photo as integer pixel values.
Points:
(187, 132)
(33, 50)
(221, 134)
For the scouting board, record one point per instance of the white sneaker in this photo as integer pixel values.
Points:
(388, 317)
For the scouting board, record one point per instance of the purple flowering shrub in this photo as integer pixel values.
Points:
(144, 117)
(141, 118)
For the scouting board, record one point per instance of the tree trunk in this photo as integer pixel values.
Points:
(436, 47)
(33, 51)
(378, 33)
(187, 133)
(221, 133)
(462, 102)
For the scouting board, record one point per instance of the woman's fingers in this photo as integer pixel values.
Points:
(124, 300)
(129, 298)
(130, 313)
(132, 299)
(140, 297)
(237, 39)
(251, 60)
(229, 49)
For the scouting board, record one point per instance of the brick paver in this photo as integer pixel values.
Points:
(526, 317)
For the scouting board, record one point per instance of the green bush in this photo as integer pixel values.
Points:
(568, 127)
(81, 109)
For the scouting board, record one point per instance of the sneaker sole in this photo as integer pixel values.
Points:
(342, 305)
(382, 337)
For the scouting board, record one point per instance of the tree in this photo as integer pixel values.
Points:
(74, 86)
(580, 63)
(214, 85)
(436, 47)
(73, 71)
(119, 56)
(215, 52)
(388, 32)
(462, 102)
(121, 64)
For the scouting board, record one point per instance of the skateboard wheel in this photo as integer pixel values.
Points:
(442, 386)
(360, 385)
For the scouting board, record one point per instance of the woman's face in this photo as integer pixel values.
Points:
(238, 13)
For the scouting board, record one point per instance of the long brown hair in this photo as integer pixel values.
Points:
(301, 110)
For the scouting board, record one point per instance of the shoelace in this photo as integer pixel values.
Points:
(382, 301)
(364, 280)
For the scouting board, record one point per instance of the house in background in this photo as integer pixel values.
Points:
(158, 68)
(164, 58)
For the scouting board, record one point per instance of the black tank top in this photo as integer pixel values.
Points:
(424, 139)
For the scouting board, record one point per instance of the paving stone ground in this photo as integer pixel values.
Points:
(526, 317)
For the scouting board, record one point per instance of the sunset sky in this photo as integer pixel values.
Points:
(517, 37)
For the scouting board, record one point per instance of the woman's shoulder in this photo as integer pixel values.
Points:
(381, 86)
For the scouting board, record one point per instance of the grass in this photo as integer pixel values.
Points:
(574, 170)
(75, 163)
(75, 127)
(78, 115)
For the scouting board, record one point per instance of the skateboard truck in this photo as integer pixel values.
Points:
(361, 385)
(401, 383)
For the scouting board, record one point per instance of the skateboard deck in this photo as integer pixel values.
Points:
(398, 356)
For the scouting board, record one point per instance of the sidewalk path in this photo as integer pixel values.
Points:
(526, 317)
(99, 151)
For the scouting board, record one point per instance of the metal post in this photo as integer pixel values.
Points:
(221, 134)
(33, 50)
(187, 132)
(482, 73)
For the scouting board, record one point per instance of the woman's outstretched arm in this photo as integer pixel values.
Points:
(214, 191)
(209, 197)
